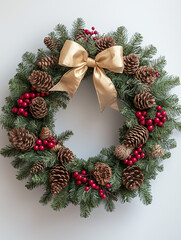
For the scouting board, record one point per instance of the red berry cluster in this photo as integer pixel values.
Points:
(158, 120)
(25, 100)
(83, 178)
(46, 144)
(137, 154)
(91, 34)
(157, 74)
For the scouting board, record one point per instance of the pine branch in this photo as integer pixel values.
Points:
(144, 193)
(9, 151)
(60, 200)
(77, 25)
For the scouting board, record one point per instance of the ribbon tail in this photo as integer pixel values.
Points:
(106, 92)
(70, 81)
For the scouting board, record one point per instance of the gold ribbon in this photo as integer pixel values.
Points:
(74, 55)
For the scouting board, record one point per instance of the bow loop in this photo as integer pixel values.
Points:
(75, 56)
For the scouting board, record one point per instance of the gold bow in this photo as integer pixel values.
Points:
(74, 55)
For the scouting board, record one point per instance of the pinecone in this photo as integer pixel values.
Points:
(122, 152)
(65, 155)
(144, 100)
(56, 148)
(80, 35)
(22, 139)
(37, 167)
(58, 178)
(50, 43)
(132, 177)
(47, 61)
(136, 137)
(38, 108)
(41, 81)
(157, 151)
(102, 173)
(45, 133)
(131, 63)
(104, 43)
(146, 75)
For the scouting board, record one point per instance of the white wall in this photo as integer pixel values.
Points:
(23, 25)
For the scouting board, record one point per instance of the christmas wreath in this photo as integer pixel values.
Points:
(122, 70)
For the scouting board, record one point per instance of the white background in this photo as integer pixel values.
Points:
(23, 26)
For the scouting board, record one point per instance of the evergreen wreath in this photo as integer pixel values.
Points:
(122, 172)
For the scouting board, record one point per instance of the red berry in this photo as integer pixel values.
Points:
(76, 174)
(36, 147)
(32, 95)
(141, 146)
(37, 94)
(149, 122)
(83, 172)
(97, 188)
(98, 38)
(84, 179)
(41, 148)
(79, 182)
(54, 141)
(130, 157)
(108, 185)
(139, 149)
(150, 128)
(101, 191)
(32, 89)
(111, 185)
(163, 119)
(91, 182)
(86, 39)
(160, 124)
(15, 110)
(95, 32)
(156, 120)
(130, 162)
(159, 108)
(47, 93)
(25, 114)
(24, 104)
(27, 95)
(45, 142)
(86, 188)
(134, 159)
(39, 142)
(18, 112)
(94, 38)
(27, 100)
(103, 196)
(138, 156)
(50, 145)
(93, 185)
(141, 118)
(142, 155)
(21, 110)
(164, 114)
(125, 161)
(144, 113)
(42, 94)
(158, 114)
(142, 122)
(93, 28)
(138, 114)
(20, 101)
(135, 152)
(22, 97)
(79, 177)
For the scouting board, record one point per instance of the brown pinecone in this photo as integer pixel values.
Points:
(80, 35)
(37, 167)
(58, 178)
(144, 100)
(65, 155)
(132, 177)
(122, 152)
(50, 43)
(102, 173)
(104, 43)
(38, 108)
(47, 61)
(22, 139)
(45, 133)
(146, 75)
(41, 81)
(131, 63)
(157, 151)
(56, 148)
(136, 137)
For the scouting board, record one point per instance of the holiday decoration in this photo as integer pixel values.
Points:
(132, 178)
(122, 70)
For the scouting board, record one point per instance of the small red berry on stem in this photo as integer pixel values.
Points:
(144, 113)
(84, 179)
(149, 122)
(142, 155)
(138, 113)
(83, 172)
(91, 182)
(135, 152)
(15, 110)
(142, 118)
(130, 162)
(41, 148)
(150, 128)
(125, 161)
(25, 114)
(75, 174)
(36, 147)
(27, 95)
(79, 182)
(86, 188)
(164, 114)
(159, 108)
(39, 142)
